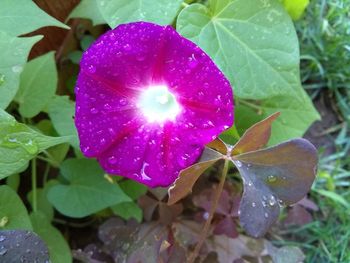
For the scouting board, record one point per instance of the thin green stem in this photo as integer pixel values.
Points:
(34, 185)
(214, 205)
(46, 173)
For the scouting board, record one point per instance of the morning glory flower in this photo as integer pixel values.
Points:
(148, 101)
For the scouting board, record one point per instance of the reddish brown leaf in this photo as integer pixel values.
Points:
(297, 215)
(282, 174)
(187, 177)
(227, 227)
(255, 137)
(219, 146)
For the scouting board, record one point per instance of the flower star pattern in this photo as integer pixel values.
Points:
(148, 101)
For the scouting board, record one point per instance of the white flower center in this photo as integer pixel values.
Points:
(158, 104)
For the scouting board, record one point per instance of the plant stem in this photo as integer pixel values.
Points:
(46, 173)
(211, 214)
(34, 201)
(251, 105)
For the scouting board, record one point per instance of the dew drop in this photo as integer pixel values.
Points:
(31, 147)
(206, 216)
(127, 47)
(144, 176)
(253, 204)
(107, 106)
(2, 79)
(2, 238)
(239, 164)
(91, 69)
(94, 110)
(112, 160)
(272, 200)
(266, 215)
(271, 178)
(192, 62)
(123, 101)
(17, 69)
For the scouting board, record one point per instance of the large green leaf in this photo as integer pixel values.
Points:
(254, 42)
(87, 192)
(38, 85)
(14, 53)
(58, 247)
(13, 214)
(61, 111)
(23, 16)
(88, 9)
(256, 46)
(161, 12)
(19, 144)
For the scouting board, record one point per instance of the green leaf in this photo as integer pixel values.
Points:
(133, 189)
(14, 53)
(297, 114)
(13, 214)
(255, 44)
(61, 111)
(127, 210)
(43, 205)
(23, 16)
(87, 192)
(295, 8)
(88, 9)
(334, 196)
(58, 247)
(161, 12)
(86, 41)
(13, 181)
(19, 144)
(278, 175)
(38, 85)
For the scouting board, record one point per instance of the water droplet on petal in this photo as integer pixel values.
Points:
(91, 69)
(112, 160)
(123, 101)
(239, 164)
(127, 47)
(272, 200)
(94, 110)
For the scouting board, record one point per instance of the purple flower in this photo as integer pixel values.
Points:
(148, 101)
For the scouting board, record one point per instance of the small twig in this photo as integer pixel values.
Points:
(206, 227)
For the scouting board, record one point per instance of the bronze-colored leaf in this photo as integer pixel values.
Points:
(282, 174)
(219, 146)
(187, 177)
(255, 137)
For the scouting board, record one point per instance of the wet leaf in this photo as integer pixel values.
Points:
(19, 144)
(22, 246)
(14, 53)
(128, 210)
(256, 136)
(133, 189)
(187, 177)
(282, 174)
(219, 146)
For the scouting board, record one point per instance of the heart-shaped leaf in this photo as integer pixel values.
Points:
(187, 177)
(282, 174)
(22, 246)
(87, 192)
